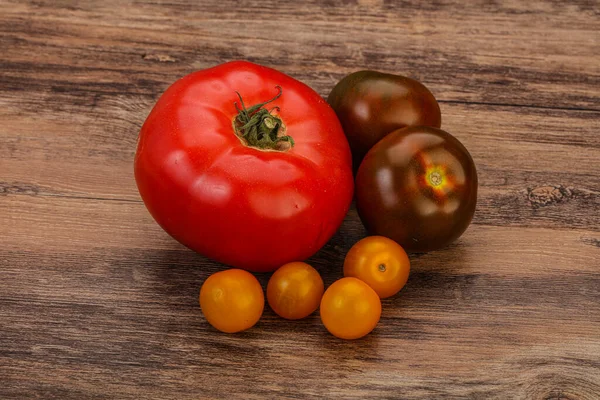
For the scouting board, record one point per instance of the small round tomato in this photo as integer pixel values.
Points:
(232, 300)
(372, 104)
(379, 262)
(295, 290)
(418, 187)
(350, 309)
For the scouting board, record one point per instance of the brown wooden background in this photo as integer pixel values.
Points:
(97, 302)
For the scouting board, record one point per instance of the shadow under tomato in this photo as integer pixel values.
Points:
(365, 347)
(329, 261)
(173, 277)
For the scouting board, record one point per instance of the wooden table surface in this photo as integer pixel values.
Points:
(96, 301)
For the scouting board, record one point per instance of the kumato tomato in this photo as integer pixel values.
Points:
(379, 262)
(418, 187)
(350, 308)
(372, 104)
(232, 300)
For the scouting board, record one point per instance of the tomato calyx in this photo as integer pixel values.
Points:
(260, 128)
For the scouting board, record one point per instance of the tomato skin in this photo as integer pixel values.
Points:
(418, 187)
(372, 104)
(241, 206)
(232, 300)
(350, 309)
(379, 262)
(295, 290)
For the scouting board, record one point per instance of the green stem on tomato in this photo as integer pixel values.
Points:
(259, 128)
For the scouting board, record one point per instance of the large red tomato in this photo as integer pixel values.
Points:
(254, 180)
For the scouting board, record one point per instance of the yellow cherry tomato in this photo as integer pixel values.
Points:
(232, 300)
(350, 309)
(380, 262)
(295, 290)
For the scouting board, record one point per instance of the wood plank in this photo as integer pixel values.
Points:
(48, 224)
(134, 321)
(502, 53)
(526, 179)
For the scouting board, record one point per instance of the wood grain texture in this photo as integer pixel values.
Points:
(96, 301)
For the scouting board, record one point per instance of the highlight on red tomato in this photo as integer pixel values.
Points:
(379, 262)
(350, 309)
(418, 187)
(372, 104)
(245, 165)
(295, 290)
(232, 300)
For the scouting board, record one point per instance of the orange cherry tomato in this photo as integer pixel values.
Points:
(380, 262)
(232, 300)
(295, 290)
(350, 309)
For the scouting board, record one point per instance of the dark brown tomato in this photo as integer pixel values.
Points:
(418, 187)
(371, 104)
